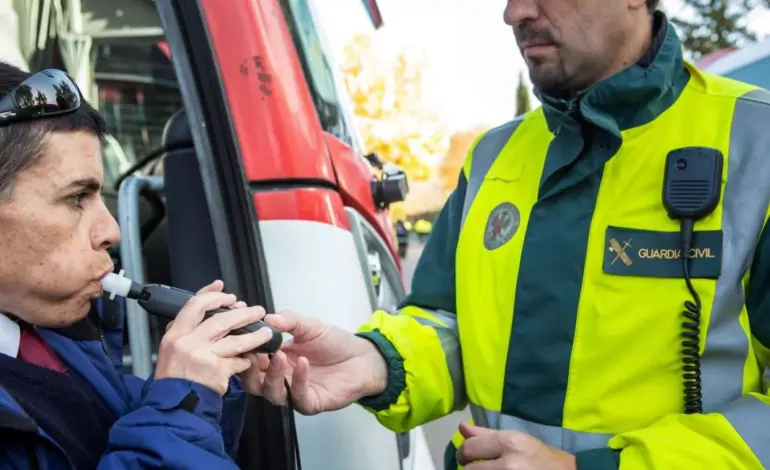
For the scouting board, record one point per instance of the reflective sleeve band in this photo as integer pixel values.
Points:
(736, 437)
(749, 416)
(450, 343)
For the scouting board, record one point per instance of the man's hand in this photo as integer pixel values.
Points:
(328, 368)
(201, 350)
(487, 449)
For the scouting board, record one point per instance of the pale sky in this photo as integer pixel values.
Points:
(473, 59)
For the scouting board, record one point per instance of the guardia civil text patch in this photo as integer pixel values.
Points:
(648, 253)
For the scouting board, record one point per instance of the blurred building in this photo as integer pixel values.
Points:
(750, 64)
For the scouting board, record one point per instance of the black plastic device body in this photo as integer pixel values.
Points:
(691, 191)
(166, 301)
(693, 182)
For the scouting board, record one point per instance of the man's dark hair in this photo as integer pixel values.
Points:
(652, 5)
(22, 143)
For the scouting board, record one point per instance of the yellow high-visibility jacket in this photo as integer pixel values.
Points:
(550, 295)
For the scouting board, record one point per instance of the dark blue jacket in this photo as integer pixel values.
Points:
(152, 430)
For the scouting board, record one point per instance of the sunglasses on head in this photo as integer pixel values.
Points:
(46, 93)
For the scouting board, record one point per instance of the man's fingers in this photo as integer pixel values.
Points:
(488, 465)
(284, 322)
(215, 286)
(192, 313)
(292, 323)
(469, 430)
(235, 345)
(300, 389)
(219, 325)
(273, 388)
(239, 304)
(486, 447)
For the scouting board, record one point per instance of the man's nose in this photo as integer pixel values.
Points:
(106, 231)
(517, 11)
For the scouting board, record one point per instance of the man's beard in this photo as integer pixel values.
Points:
(546, 75)
(550, 77)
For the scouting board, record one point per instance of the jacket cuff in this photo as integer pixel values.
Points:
(396, 372)
(178, 394)
(235, 389)
(598, 459)
(233, 415)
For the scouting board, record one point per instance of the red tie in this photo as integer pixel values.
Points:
(34, 350)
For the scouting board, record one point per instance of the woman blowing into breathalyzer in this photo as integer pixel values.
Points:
(63, 400)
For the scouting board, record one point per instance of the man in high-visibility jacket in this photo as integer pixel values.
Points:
(550, 295)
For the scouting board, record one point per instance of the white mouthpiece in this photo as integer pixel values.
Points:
(116, 284)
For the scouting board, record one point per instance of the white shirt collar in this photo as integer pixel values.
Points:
(10, 336)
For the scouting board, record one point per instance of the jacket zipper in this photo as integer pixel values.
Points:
(103, 340)
(106, 347)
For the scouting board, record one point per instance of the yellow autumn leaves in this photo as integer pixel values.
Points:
(386, 91)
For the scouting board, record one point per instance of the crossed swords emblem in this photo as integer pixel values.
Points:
(620, 251)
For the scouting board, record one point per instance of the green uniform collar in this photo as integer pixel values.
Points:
(632, 97)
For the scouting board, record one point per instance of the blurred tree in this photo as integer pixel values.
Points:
(459, 145)
(522, 96)
(716, 25)
(387, 95)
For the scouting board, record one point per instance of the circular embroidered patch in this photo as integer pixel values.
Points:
(501, 226)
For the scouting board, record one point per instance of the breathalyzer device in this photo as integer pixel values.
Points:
(166, 301)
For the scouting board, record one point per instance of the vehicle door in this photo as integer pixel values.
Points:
(193, 30)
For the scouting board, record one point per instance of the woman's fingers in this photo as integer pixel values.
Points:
(235, 345)
(194, 310)
(236, 365)
(255, 374)
(221, 324)
(215, 286)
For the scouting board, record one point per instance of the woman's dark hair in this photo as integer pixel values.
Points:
(22, 143)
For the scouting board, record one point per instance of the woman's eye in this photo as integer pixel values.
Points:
(78, 199)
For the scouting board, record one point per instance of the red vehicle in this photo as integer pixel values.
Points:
(236, 158)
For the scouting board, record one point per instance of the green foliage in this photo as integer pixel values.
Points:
(522, 96)
(717, 24)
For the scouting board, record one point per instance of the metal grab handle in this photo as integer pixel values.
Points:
(132, 262)
(363, 232)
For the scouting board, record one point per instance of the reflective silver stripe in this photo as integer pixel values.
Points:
(449, 319)
(766, 379)
(746, 197)
(749, 417)
(570, 441)
(484, 155)
(450, 343)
